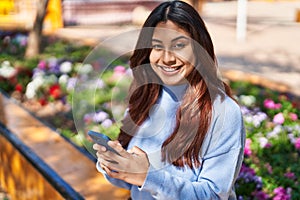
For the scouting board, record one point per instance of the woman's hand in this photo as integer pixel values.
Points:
(130, 166)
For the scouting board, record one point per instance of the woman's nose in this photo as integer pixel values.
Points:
(169, 57)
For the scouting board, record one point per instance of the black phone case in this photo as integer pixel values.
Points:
(102, 140)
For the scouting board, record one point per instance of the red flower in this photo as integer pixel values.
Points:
(55, 91)
(43, 101)
(19, 87)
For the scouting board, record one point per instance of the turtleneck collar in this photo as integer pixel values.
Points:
(175, 91)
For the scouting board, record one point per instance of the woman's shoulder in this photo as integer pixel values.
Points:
(226, 106)
(226, 131)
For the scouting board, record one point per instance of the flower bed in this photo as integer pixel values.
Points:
(42, 85)
(271, 165)
(45, 86)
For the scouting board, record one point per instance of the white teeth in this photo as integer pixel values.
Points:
(169, 69)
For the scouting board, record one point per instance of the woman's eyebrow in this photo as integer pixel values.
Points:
(179, 37)
(156, 40)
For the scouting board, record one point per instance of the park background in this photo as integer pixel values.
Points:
(42, 156)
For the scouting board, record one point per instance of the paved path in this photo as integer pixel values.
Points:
(272, 46)
(69, 163)
(271, 50)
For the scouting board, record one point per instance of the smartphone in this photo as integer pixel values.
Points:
(102, 140)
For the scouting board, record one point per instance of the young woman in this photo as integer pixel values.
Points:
(182, 136)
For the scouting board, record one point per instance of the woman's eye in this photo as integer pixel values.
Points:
(179, 46)
(157, 47)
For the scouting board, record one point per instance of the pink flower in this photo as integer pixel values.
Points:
(278, 118)
(88, 118)
(247, 150)
(270, 104)
(281, 194)
(120, 69)
(289, 175)
(119, 72)
(269, 168)
(42, 65)
(293, 116)
(297, 143)
(277, 106)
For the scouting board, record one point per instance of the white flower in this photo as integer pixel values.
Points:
(100, 84)
(30, 90)
(37, 82)
(274, 133)
(292, 138)
(5, 64)
(129, 72)
(85, 69)
(263, 142)
(63, 79)
(65, 67)
(247, 100)
(258, 118)
(100, 116)
(33, 86)
(248, 118)
(49, 80)
(71, 83)
(37, 72)
(6, 70)
(107, 123)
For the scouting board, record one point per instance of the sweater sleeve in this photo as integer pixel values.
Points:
(219, 166)
(116, 182)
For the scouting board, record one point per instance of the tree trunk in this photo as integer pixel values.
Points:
(35, 34)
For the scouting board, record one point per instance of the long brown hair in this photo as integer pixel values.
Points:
(194, 115)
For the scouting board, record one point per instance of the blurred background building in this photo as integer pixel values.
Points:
(82, 12)
(20, 14)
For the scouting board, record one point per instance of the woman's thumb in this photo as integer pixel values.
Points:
(137, 150)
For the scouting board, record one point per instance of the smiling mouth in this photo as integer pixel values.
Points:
(169, 69)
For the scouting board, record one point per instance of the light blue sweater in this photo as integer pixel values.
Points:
(221, 154)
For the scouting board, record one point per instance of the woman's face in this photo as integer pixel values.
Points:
(171, 57)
